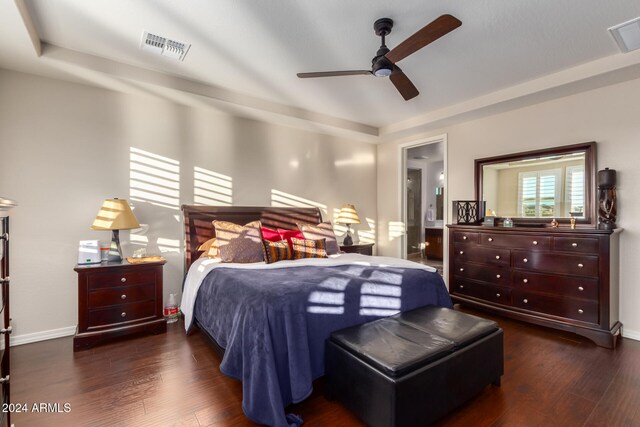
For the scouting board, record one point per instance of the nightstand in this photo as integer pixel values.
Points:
(364, 249)
(117, 299)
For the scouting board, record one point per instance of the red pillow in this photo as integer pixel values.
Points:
(288, 234)
(271, 235)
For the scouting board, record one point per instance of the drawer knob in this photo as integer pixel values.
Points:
(123, 314)
(124, 279)
(498, 295)
(498, 276)
(535, 242)
(525, 301)
(580, 265)
(464, 237)
(580, 288)
(461, 286)
(580, 311)
(525, 280)
(123, 296)
(525, 260)
(490, 239)
(461, 252)
(575, 245)
(461, 269)
(497, 256)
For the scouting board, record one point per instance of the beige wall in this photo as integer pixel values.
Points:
(65, 147)
(608, 115)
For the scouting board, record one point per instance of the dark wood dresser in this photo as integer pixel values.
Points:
(364, 249)
(116, 299)
(5, 319)
(562, 278)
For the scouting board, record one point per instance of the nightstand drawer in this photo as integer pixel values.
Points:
(124, 277)
(105, 297)
(121, 314)
(364, 249)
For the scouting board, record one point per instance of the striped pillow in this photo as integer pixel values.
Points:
(306, 248)
(276, 251)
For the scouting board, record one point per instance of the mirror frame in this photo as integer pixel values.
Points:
(589, 149)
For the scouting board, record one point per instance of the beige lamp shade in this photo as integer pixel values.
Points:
(348, 215)
(115, 214)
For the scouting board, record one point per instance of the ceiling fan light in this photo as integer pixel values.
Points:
(382, 72)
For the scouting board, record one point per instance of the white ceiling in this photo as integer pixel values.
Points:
(255, 48)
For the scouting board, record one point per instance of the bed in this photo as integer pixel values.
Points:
(271, 320)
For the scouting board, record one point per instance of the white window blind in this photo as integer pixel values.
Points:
(539, 193)
(574, 191)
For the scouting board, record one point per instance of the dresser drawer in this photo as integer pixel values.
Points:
(572, 244)
(494, 294)
(465, 237)
(573, 287)
(515, 241)
(121, 314)
(582, 265)
(489, 274)
(474, 253)
(125, 277)
(465, 287)
(104, 297)
(586, 311)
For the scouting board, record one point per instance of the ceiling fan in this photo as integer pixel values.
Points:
(384, 63)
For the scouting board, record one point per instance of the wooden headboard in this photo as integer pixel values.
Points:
(198, 228)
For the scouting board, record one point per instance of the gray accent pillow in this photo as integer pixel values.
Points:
(324, 230)
(237, 243)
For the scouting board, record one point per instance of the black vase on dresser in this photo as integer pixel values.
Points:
(5, 327)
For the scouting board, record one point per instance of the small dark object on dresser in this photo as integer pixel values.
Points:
(607, 199)
(412, 368)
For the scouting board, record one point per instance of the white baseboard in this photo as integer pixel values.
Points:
(42, 336)
(632, 335)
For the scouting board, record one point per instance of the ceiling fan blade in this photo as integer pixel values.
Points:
(333, 73)
(403, 84)
(429, 33)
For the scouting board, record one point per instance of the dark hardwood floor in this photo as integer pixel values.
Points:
(551, 378)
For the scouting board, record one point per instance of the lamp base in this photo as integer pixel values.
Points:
(115, 251)
(348, 241)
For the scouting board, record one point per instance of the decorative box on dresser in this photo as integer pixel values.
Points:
(117, 299)
(557, 277)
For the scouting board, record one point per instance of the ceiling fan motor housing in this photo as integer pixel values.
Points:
(381, 66)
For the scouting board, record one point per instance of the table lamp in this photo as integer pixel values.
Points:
(348, 215)
(115, 215)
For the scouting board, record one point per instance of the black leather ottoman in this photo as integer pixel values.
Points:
(412, 368)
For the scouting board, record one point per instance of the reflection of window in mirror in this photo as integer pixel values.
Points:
(540, 187)
(574, 191)
(539, 194)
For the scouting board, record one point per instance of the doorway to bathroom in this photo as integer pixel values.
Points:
(424, 206)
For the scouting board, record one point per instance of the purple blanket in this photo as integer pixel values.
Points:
(273, 323)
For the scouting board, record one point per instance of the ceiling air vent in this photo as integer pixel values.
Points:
(164, 46)
(627, 35)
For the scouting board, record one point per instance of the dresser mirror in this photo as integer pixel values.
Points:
(534, 187)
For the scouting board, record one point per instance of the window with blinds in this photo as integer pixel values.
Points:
(574, 191)
(539, 193)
